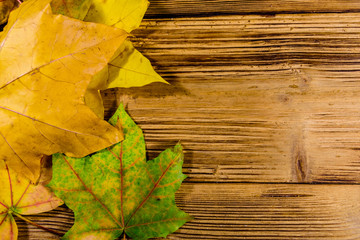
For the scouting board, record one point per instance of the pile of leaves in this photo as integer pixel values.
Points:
(55, 58)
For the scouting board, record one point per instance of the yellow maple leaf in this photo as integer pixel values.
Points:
(19, 197)
(128, 68)
(131, 69)
(46, 64)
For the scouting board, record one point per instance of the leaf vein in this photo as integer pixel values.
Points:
(131, 70)
(154, 187)
(12, 149)
(49, 124)
(36, 204)
(22, 195)
(91, 192)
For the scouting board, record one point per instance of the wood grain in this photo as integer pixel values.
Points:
(174, 8)
(253, 98)
(253, 211)
(261, 99)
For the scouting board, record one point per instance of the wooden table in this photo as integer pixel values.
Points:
(265, 98)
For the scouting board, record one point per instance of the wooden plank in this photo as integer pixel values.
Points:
(253, 98)
(254, 211)
(173, 8)
(61, 219)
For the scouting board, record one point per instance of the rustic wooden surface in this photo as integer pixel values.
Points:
(264, 96)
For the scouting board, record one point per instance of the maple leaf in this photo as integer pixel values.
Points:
(116, 191)
(129, 68)
(19, 197)
(46, 64)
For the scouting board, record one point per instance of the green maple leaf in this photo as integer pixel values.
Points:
(116, 191)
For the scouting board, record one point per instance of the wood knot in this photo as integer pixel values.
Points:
(299, 159)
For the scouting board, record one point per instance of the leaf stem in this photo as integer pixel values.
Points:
(37, 225)
(20, 2)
